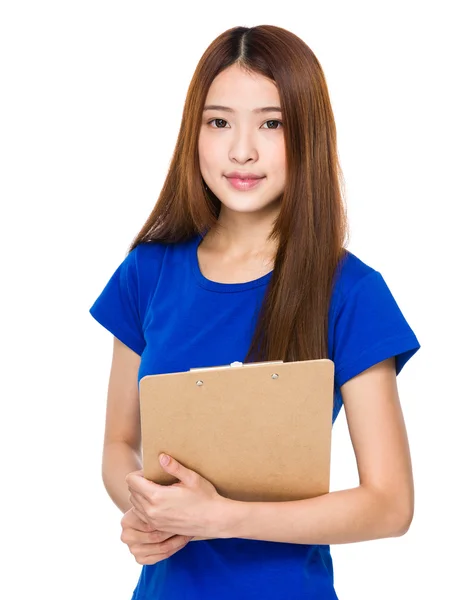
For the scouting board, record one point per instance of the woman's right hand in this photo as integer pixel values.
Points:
(147, 546)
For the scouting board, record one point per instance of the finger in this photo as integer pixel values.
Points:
(138, 483)
(142, 516)
(148, 538)
(131, 520)
(139, 501)
(142, 508)
(137, 523)
(146, 555)
(175, 468)
(173, 544)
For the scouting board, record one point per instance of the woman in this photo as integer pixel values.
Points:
(243, 259)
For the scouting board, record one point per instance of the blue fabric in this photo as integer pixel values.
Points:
(160, 305)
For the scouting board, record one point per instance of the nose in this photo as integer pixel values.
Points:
(243, 147)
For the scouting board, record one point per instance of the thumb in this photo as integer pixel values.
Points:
(172, 466)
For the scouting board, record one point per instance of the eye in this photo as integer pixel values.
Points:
(218, 121)
(274, 121)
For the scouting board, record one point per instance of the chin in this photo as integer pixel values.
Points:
(249, 206)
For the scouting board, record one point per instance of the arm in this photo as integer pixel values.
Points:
(122, 439)
(122, 455)
(381, 506)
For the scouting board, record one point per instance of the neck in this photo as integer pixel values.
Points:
(243, 235)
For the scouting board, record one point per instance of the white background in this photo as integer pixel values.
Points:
(91, 101)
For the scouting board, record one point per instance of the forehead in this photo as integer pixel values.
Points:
(242, 90)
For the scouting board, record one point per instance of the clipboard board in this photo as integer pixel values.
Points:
(256, 431)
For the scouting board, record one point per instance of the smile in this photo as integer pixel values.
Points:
(244, 185)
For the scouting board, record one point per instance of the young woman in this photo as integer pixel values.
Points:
(243, 259)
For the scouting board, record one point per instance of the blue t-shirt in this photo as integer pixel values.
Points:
(161, 306)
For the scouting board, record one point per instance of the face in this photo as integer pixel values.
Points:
(244, 140)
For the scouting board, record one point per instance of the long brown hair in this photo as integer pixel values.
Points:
(311, 228)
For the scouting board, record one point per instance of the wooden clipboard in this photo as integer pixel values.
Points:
(256, 431)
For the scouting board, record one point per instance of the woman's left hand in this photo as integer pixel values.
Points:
(192, 507)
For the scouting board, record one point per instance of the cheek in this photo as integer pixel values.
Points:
(278, 162)
(209, 157)
(207, 146)
(276, 152)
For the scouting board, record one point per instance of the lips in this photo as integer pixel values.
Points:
(243, 176)
(244, 184)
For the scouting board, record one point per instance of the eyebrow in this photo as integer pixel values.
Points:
(255, 110)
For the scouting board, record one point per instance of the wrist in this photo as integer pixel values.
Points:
(229, 517)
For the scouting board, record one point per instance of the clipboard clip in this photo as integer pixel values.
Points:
(256, 364)
(237, 364)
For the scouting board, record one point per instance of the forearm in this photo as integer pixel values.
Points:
(119, 459)
(354, 515)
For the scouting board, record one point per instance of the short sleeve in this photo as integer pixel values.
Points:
(117, 307)
(369, 327)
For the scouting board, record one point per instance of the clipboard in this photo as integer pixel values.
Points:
(256, 431)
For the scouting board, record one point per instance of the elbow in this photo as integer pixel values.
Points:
(401, 512)
(402, 524)
(395, 510)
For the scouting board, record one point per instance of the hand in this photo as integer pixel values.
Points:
(147, 546)
(191, 507)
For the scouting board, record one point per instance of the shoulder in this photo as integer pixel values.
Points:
(366, 324)
(147, 253)
(147, 257)
(150, 253)
(142, 264)
(147, 261)
(351, 274)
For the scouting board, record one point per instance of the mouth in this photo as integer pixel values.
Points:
(244, 185)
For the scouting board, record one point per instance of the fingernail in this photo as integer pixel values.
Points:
(164, 459)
